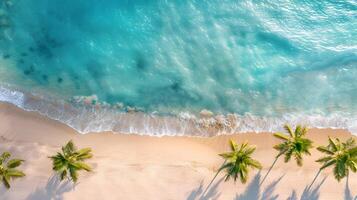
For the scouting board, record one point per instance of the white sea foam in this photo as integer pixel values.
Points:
(87, 119)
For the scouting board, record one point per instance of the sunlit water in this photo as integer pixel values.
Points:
(265, 62)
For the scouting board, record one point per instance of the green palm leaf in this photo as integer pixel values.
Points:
(324, 159)
(4, 156)
(243, 175)
(63, 174)
(327, 164)
(288, 155)
(74, 174)
(227, 155)
(298, 130)
(353, 151)
(289, 130)
(350, 143)
(84, 154)
(353, 166)
(333, 144)
(233, 145)
(254, 163)
(325, 150)
(298, 159)
(15, 173)
(6, 181)
(14, 163)
(339, 170)
(249, 151)
(304, 131)
(82, 165)
(281, 136)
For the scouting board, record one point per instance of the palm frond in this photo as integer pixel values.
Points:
(339, 170)
(351, 142)
(327, 164)
(233, 145)
(243, 175)
(332, 144)
(353, 151)
(81, 165)
(6, 181)
(289, 130)
(254, 163)
(288, 155)
(353, 166)
(304, 131)
(282, 148)
(281, 136)
(325, 150)
(249, 150)
(243, 146)
(14, 163)
(63, 174)
(324, 159)
(227, 155)
(15, 173)
(298, 159)
(84, 154)
(4, 156)
(73, 173)
(298, 131)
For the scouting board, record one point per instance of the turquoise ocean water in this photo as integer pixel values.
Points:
(255, 64)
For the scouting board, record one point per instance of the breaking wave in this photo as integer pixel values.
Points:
(86, 117)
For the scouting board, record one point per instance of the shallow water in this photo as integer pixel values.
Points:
(267, 62)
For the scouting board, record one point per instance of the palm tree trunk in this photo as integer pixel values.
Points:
(271, 167)
(347, 178)
(318, 173)
(215, 176)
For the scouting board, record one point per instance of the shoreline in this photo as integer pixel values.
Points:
(167, 167)
(102, 117)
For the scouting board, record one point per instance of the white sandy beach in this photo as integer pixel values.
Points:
(131, 167)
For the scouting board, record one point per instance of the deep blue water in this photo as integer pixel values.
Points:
(264, 58)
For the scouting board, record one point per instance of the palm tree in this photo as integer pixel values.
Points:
(237, 163)
(342, 155)
(7, 169)
(294, 145)
(70, 161)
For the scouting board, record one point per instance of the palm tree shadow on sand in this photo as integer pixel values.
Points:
(253, 190)
(348, 194)
(308, 194)
(53, 190)
(212, 193)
